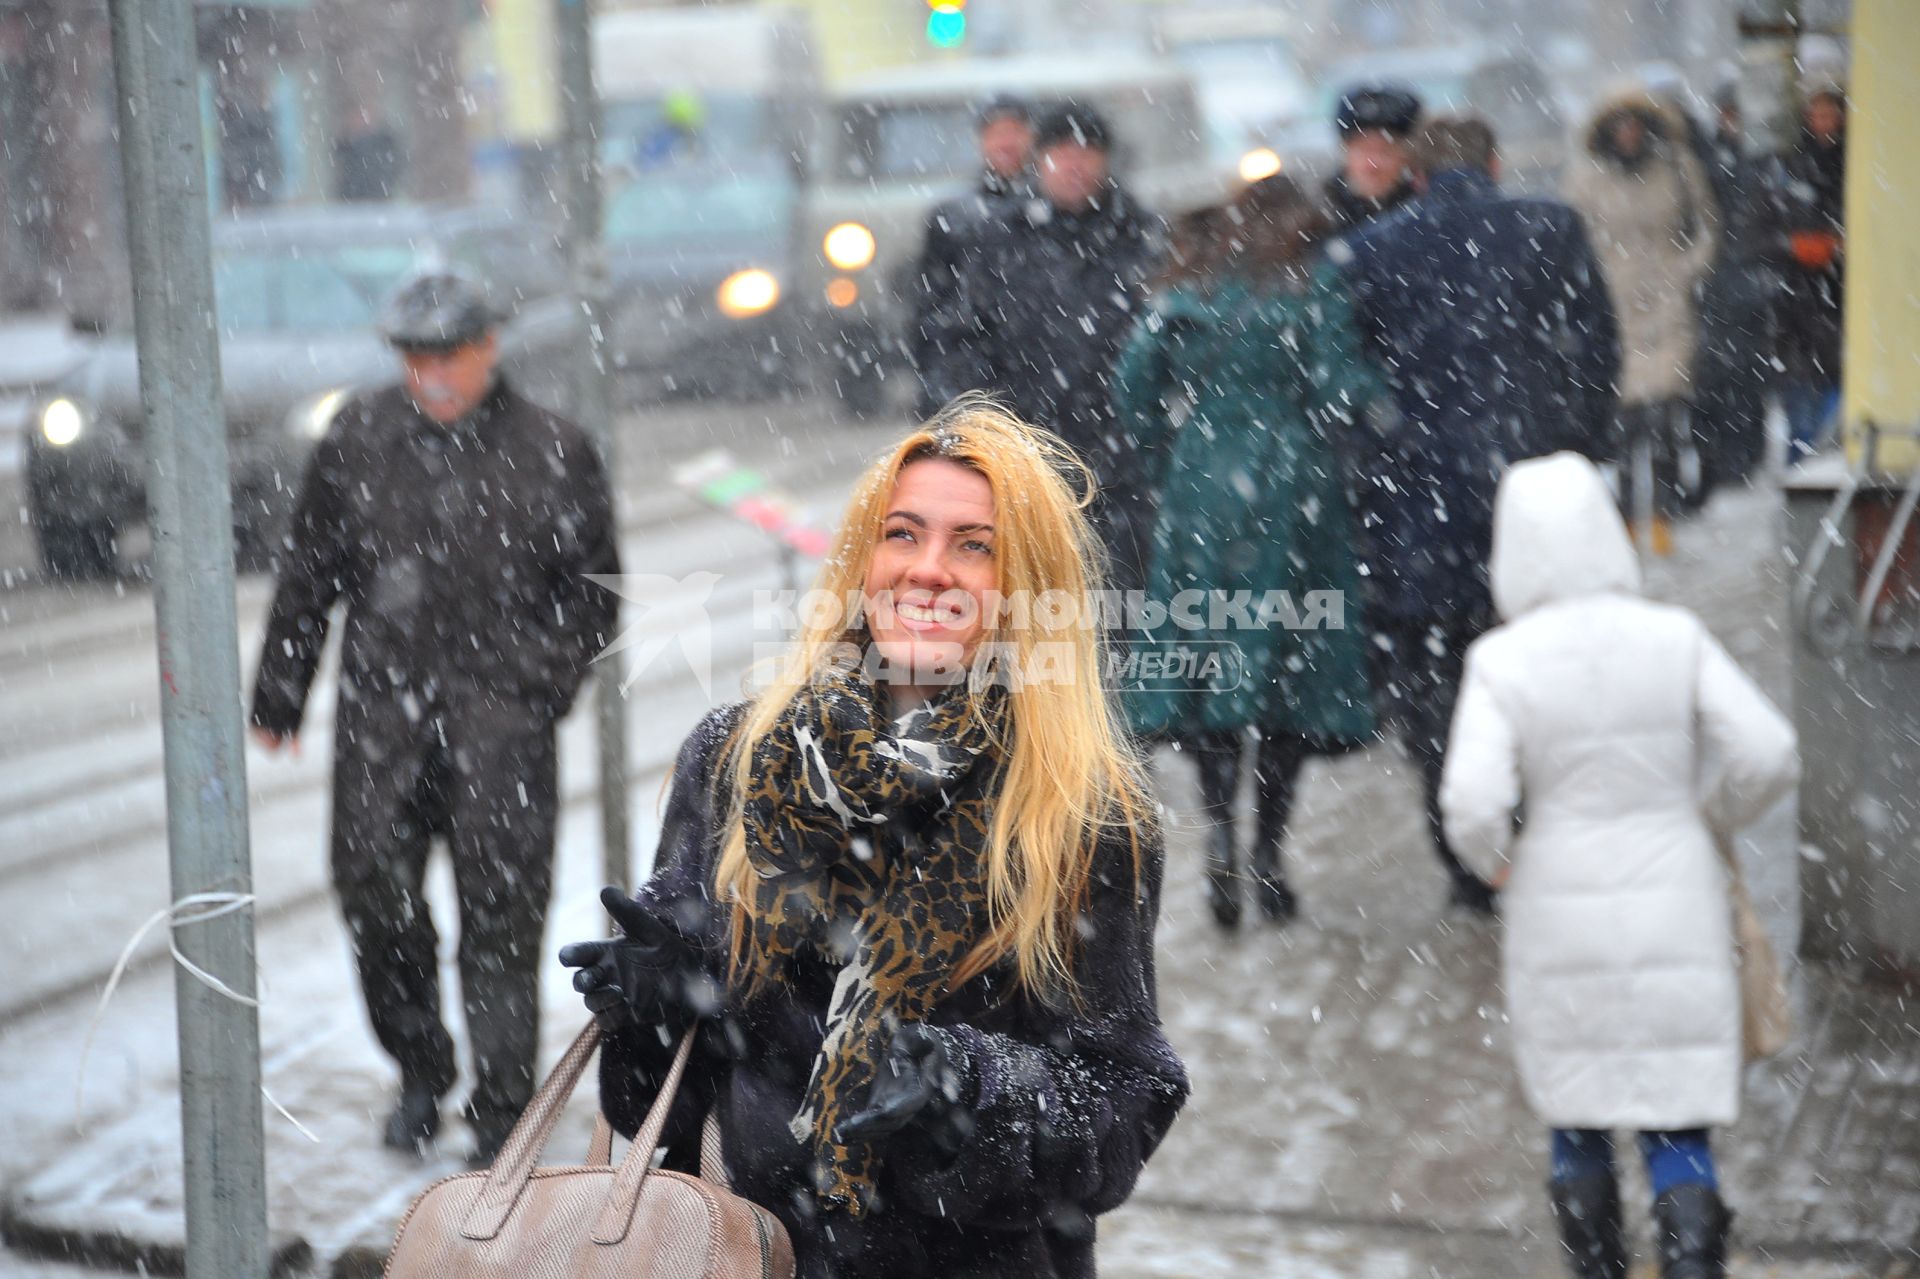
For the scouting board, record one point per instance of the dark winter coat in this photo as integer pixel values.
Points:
(1740, 290)
(1252, 498)
(1068, 1101)
(1490, 319)
(1351, 210)
(1736, 179)
(950, 225)
(1042, 303)
(1809, 197)
(1735, 366)
(460, 552)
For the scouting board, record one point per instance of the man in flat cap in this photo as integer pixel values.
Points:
(457, 522)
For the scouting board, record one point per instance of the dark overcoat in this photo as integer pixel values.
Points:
(1489, 317)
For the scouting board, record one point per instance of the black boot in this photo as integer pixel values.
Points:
(1275, 898)
(1588, 1210)
(1691, 1224)
(1216, 759)
(1270, 889)
(1276, 768)
(1223, 881)
(415, 1118)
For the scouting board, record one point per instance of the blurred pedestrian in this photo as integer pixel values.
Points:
(1734, 370)
(250, 160)
(1597, 802)
(1005, 138)
(917, 907)
(1246, 378)
(1375, 124)
(1808, 239)
(457, 521)
(1653, 223)
(366, 158)
(1047, 289)
(1488, 316)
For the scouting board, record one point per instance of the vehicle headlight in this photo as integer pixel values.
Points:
(62, 422)
(842, 292)
(1259, 163)
(312, 418)
(849, 246)
(748, 293)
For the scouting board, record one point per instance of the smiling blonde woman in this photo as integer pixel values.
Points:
(915, 899)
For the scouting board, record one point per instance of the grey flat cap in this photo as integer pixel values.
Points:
(437, 308)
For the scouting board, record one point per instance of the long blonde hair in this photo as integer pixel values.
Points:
(1069, 772)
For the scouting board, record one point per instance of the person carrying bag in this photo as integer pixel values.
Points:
(1637, 978)
(909, 889)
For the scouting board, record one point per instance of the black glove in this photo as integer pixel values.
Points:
(648, 976)
(920, 1084)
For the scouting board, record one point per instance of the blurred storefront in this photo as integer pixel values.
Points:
(1853, 540)
(303, 100)
(62, 246)
(59, 195)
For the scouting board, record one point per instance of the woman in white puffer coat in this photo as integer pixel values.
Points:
(1600, 742)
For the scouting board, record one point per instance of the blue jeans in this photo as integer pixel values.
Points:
(1678, 1158)
(1808, 406)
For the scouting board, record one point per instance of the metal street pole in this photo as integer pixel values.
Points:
(190, 511)
(587, 269)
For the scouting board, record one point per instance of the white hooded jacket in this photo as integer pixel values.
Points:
(1599, 741)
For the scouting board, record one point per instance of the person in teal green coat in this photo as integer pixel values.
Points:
(1245, 386)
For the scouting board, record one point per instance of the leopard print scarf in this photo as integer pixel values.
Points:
(897, 904)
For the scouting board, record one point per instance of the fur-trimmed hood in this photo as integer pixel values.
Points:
(1666, 126)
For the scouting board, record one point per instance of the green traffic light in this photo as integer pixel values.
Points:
(946, 26)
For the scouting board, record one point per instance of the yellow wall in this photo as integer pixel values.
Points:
(517, 41)
(861, 35)
(1882, 369)
(527, 59)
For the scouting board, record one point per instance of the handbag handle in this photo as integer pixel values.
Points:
(713, 1162)
(616, 1214)
(528, 1140)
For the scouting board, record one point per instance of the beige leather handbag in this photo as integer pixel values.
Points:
(1766, 1009)
(590, 1221)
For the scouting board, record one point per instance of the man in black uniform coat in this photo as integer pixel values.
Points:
(1005, 137)
(458, 522)
(1046, 291)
